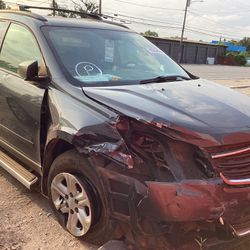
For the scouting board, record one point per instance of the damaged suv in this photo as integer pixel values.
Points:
(124, 142)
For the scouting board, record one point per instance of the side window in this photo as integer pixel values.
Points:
(19, 45)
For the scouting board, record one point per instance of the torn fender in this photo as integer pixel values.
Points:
(92, 132)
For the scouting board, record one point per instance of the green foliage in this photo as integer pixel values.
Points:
(231, 54)
(245, 42)
(239, 58)
(150, 33)
(234, 42)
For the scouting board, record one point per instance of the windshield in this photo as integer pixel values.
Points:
(107, 57)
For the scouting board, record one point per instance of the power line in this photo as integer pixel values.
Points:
(191, 13)
(223, 12)
(211, 34)
(216, 31)
(216, 22)
(144, 19)
(153, 25)
(174, 25)
(176, 28)
(148, 6)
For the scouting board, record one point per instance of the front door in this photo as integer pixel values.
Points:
(20, 101)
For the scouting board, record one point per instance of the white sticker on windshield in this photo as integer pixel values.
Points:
(154, 50)
(109, 51)
(95, 78)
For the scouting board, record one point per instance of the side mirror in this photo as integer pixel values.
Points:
(28, 70)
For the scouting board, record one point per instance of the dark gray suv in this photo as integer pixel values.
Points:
(123, 141)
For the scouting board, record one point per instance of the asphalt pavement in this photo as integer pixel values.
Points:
(234, 77)
(219, 72)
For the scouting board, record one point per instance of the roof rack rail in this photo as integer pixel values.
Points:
(24, 10)
(82, 14)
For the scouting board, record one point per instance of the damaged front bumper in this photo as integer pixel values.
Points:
(178, 215)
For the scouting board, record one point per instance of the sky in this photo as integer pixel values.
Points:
(207, 20)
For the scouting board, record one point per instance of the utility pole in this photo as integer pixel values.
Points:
(54, 6)
(220, 39)
(188, 2)
(100, 7)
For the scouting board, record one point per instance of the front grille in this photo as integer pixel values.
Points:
(233, 164)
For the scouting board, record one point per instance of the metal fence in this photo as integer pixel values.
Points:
(193, 52)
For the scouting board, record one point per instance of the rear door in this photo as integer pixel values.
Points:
(20, 101)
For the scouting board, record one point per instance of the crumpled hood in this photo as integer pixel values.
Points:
(196, 104)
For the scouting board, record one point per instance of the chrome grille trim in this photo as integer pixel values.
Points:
(235, 182)
(230, 153)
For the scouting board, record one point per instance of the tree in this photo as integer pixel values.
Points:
(84, 6)
(150, 33)
(2, 5)
(235, 42)
(245, 42)
(60, 13)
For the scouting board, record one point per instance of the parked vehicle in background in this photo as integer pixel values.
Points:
(248, 60)
(124, 142)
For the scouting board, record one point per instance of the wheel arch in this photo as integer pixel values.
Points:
(90, 129)
(54, 148)
(67, 123)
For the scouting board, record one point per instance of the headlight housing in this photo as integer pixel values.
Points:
(162, 158)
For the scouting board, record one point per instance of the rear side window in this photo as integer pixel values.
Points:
(19, 46)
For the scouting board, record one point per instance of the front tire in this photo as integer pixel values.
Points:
(77, 198)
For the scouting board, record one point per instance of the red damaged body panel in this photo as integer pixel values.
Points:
(196, 200)
(156, 212)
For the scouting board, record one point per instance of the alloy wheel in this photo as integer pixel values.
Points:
(70, 197)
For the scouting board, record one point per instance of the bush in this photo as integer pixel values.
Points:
(239, 58)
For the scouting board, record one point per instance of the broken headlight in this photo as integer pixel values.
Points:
(163, 158)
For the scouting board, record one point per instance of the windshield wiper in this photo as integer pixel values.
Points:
(165, 78)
